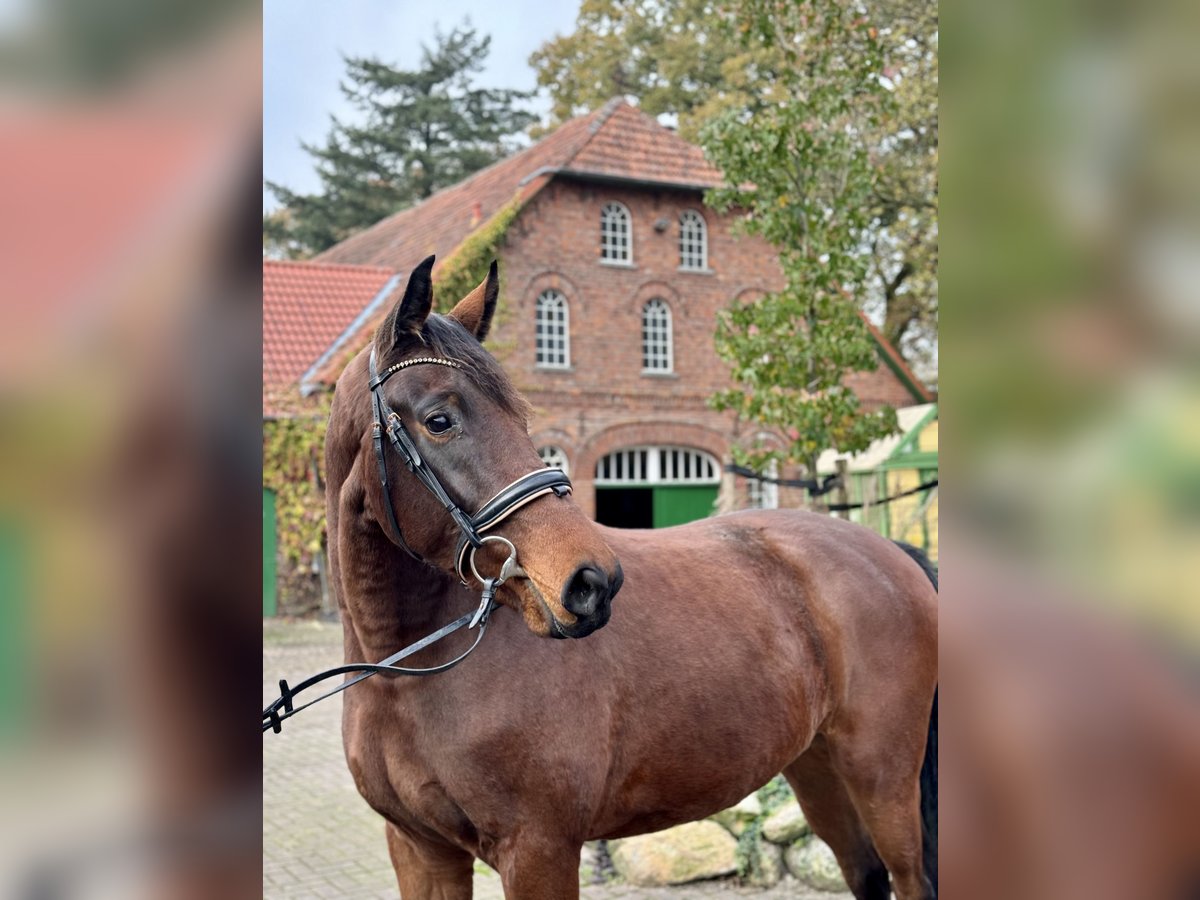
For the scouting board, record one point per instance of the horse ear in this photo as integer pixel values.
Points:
(474, 311)
(406, 319)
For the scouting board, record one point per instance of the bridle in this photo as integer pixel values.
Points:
(504, 503)
(473, 535)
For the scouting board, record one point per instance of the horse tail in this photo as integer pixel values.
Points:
(921, 558)
(929, 800)
(929, 766)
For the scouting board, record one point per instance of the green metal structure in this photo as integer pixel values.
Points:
(269, 549)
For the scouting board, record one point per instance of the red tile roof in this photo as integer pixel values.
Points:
(615, 141)
(306, 307)
(896, 363)
(629, 144)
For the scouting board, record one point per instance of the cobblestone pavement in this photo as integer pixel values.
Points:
(320, 840)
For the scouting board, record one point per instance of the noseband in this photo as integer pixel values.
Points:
(503, 504)
(473, 535)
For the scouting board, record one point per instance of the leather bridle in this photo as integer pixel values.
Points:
(473, 535)
(504, 503)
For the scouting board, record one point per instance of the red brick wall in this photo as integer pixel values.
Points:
(604, 402)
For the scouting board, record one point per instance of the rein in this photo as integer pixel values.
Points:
(504, 503)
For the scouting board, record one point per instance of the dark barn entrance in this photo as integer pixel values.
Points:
(625, 507)
(655, 487)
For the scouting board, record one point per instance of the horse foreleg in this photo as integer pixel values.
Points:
(428, 871)
(538, 868)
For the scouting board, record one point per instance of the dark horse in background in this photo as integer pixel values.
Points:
(740, 646)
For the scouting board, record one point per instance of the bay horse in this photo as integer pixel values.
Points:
(739, 646)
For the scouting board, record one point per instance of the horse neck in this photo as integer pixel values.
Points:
(390, 599)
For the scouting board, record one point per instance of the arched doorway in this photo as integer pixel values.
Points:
(655, 487)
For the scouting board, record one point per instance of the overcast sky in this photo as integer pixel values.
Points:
(304, 40)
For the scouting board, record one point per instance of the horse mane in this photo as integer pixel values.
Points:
(446, 337)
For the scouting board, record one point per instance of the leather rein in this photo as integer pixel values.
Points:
(473, 535)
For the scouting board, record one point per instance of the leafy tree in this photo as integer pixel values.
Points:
(802, 172)
(904, 235)
(421, 130)
(688, 58)
(675, 56)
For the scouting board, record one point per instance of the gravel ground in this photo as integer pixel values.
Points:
(320, 840)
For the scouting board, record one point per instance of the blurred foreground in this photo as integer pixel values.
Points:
(1071, 451)
(129, 452)
(129, 456)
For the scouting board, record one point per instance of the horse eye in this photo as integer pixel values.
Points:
(438, 423)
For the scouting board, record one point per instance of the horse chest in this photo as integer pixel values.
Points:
(393, 770)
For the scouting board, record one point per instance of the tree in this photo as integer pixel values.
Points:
(801, 171)
(904, 236)
(680, 57)
(687, 58)
(421, 130)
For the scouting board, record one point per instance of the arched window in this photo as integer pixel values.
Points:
(616, 235)
(693, 241)
(553, 331)
(555, 458)
(656, 336)
(657, 466)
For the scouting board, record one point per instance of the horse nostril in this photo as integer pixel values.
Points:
(587, 589)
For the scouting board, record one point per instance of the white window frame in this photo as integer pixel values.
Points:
(552, 351)
(615, 220)
(657, 465)
(764, 494)
(555, 458)
(658, 339)
(693, 242)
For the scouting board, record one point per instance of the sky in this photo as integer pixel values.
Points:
(303, 42)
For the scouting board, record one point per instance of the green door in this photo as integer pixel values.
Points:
(676, 504)
(268, 552)
(16, 638)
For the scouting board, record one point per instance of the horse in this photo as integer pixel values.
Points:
(633, 680)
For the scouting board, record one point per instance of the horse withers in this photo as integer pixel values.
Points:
(739, 647)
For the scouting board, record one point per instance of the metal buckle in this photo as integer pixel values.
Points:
(509, 564)
(488, 597)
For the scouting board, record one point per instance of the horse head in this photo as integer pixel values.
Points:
(460, 415)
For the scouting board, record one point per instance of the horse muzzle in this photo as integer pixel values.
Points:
(588, 595)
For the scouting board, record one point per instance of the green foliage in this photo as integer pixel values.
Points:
(746, 843)
(294, 467)
(774, 794)
(459, 273)
(904, 236)
(801, 172)
(701, 59)
(421, 130)
(674, 56)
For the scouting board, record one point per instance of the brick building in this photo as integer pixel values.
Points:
(612, 274)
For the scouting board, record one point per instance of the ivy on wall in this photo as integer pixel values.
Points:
(294, 468)
(463, 269)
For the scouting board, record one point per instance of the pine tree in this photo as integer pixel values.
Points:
(420, 130)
